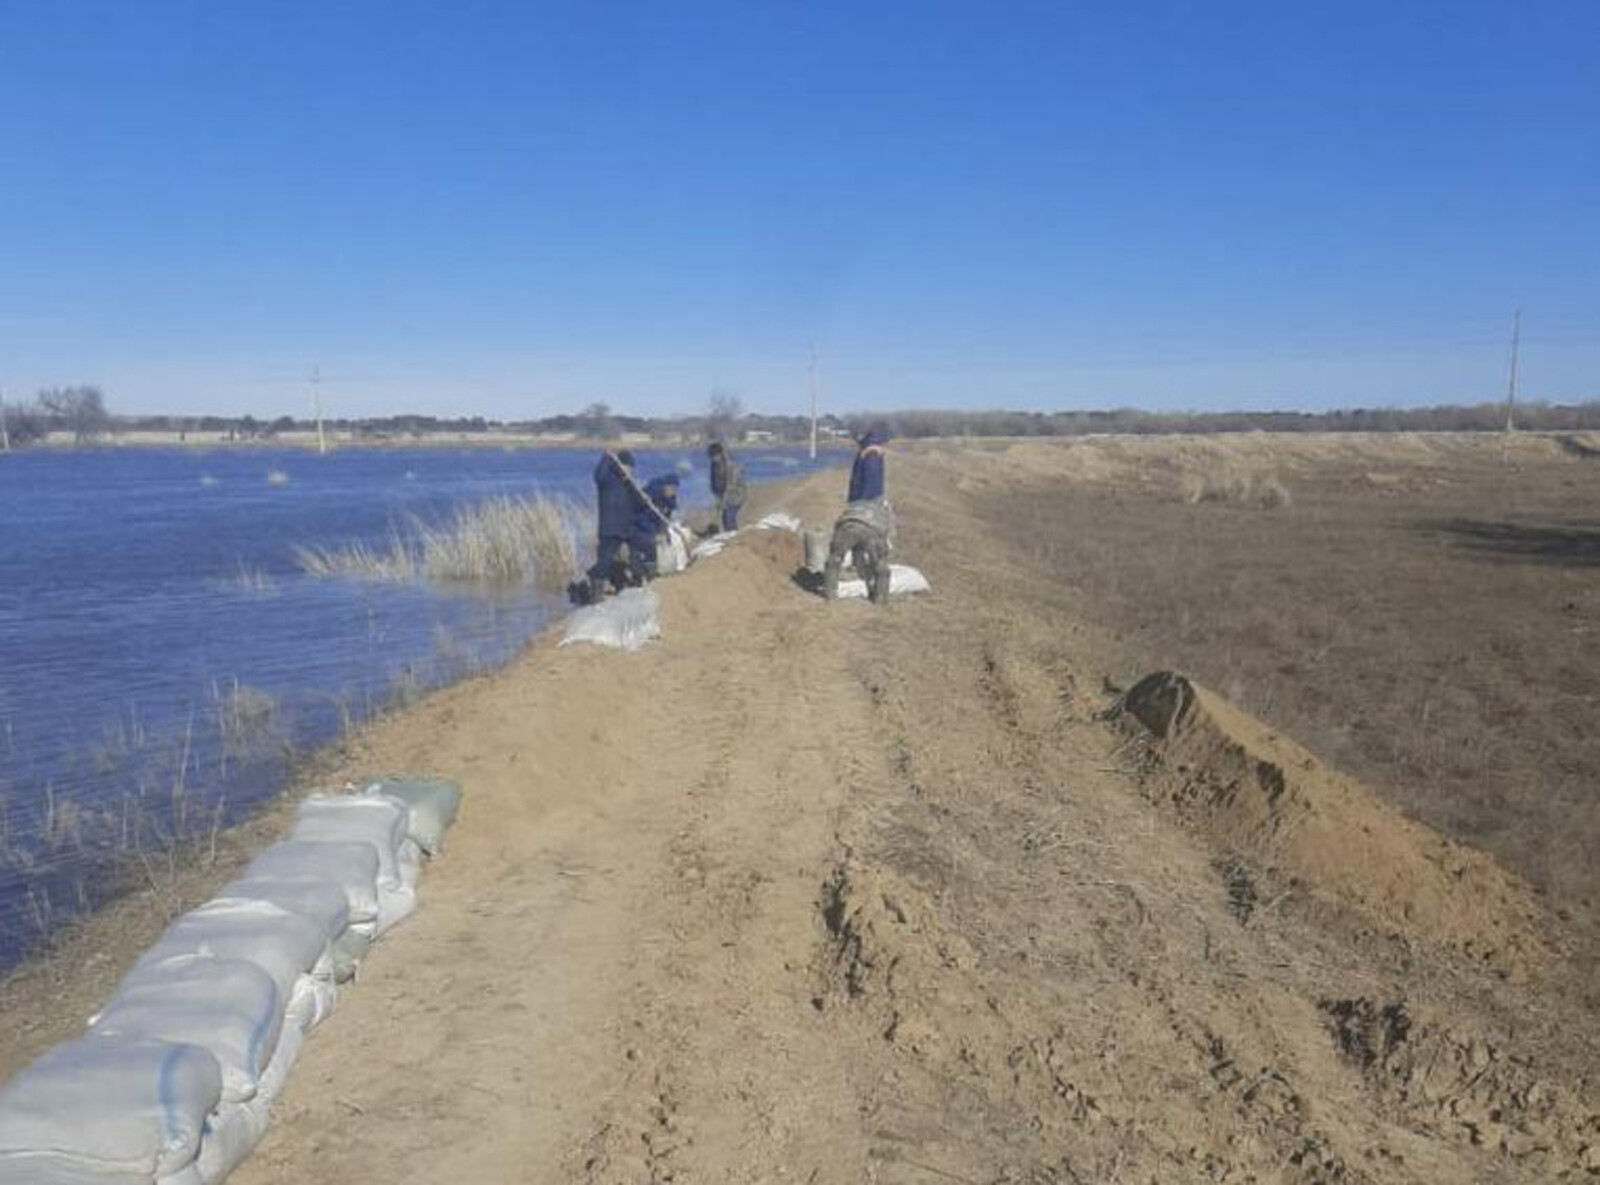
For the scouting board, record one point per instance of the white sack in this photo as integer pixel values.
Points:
(283, 944)
(711, 546)
(431, 804)
(780, 521)
(229, 1007)
(234, 1129)
(351, 866)
(902, 579)
(315, 898)
(376, 819)
(626, 621)
(110, 1105)
(36, 1170)
(672, 550)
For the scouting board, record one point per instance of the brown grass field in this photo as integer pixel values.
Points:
(1423, 612)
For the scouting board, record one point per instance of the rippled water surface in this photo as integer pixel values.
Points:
(163, 657)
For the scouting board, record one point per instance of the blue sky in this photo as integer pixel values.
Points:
(513, 209)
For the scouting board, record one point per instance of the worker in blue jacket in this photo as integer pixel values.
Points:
(866, 475)
(649, 521)
(620, 501)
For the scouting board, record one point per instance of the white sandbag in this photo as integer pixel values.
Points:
(315, 898)
(780, 521)
(431, 804)
(40, 1170)
(711, 546)
(234, 1129)
(351, 866)
(350, 948)
(376, 819)
(283, 944)
(672, 551)
(229, 1007)
(102, 1104)
(626, 621)
(902, 579)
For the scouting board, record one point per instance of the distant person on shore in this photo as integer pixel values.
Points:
(727, 485)
(649, 524)
(863, 531)
(619, 502)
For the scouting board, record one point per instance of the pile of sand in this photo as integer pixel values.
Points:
(1263, 796)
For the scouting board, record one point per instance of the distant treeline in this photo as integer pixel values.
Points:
(1483, 417)
(82, 412)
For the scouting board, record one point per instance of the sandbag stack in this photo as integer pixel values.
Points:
(173, 1081)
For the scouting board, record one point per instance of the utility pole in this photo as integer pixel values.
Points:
(811, 384)
(1511, 389)
(316, 406)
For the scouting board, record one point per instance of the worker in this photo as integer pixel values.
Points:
(727, 485)
(863, 531)
(620, 501)
(655, 512)
(866, 475)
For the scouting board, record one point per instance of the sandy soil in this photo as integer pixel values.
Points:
(825, 893)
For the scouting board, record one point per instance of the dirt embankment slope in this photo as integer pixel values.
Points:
(824, 893)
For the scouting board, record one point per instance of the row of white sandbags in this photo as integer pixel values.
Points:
(172, 1083)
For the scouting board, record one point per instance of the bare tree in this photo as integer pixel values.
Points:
(80, 410)
(723, 414)
(595, 420)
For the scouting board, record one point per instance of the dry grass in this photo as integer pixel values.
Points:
(505, 540)
(1436, 635)
(1233, 487)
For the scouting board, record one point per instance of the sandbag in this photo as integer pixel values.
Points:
(105, 1104)
(283, 944)
(431, 803)
(375, 819)
(902, 579)
(234, 1129)
(672, 550)
(40, 1170)
(229, 1007)
(351, 866)
(711, 546)
(780, 521)
(315, 898)
(626, 621)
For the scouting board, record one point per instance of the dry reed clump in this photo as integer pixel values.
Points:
(1234, 488)
(504, 540)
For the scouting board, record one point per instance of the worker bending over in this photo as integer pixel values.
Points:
(650, 522)
(863, 531)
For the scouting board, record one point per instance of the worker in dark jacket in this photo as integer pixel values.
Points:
(866, 475)
(620, 501)
(727, 485)
(649, 521)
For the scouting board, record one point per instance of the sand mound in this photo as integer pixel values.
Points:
(1265, 797)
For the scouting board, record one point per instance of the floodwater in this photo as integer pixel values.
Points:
(163, 657)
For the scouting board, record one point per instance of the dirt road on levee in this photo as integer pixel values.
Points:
(823, 893)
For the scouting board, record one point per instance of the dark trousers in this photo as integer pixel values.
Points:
(730, 516)
(869, 552)
(605, 559)
(642, 556)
